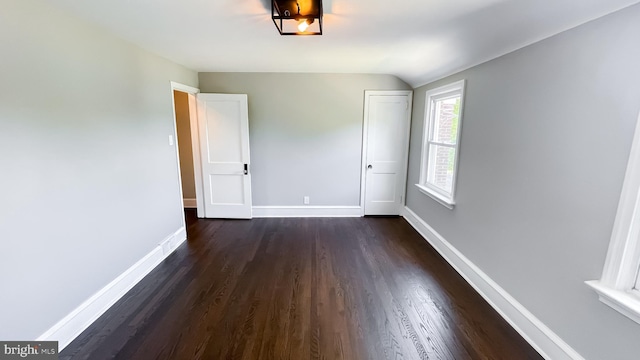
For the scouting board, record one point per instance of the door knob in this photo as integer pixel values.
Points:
(370, 166)
(246, 169)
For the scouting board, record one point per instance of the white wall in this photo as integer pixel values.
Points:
(546, 135)
(305, 133)
(88, 181)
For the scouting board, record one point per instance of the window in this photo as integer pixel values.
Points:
(620, 283)
(441, 138)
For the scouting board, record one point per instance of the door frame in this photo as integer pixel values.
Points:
(195, 144)
(365, 140)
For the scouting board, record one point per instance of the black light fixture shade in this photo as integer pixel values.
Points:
(301, 17)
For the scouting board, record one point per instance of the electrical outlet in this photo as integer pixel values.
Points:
(306, 200)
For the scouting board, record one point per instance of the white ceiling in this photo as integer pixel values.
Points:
(417, 40)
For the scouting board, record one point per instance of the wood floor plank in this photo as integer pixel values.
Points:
(324, 288)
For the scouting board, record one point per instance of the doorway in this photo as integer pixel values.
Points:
(212, 133)
(387, 117)
(185, 150)
(187, 146)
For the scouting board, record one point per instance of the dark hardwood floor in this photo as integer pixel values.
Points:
(340, 288)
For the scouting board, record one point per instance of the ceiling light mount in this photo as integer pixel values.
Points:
(301, 17)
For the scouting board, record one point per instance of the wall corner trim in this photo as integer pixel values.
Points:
(72, 325)
(536, 333)
(306, 211)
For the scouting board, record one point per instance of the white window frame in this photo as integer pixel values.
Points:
(453, 89)
(618, 285)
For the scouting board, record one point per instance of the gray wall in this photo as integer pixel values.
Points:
(305, 132)
(546, 135)
(88, 181)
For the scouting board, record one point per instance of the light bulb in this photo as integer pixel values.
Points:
(303, 25)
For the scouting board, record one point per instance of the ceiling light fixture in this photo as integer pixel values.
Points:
(299, 17)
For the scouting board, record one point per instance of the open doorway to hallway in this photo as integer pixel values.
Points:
(185, 148)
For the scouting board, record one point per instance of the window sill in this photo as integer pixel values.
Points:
(622, 301)
(446, 202)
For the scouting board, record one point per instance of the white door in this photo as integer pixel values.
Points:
(386, 140)
(223, 128)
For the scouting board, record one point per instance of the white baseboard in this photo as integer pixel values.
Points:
(89, 311)
(306, 211)
(536, 333)
(189, 203)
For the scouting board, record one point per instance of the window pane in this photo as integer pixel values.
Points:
(441, 164)
(446, 118)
